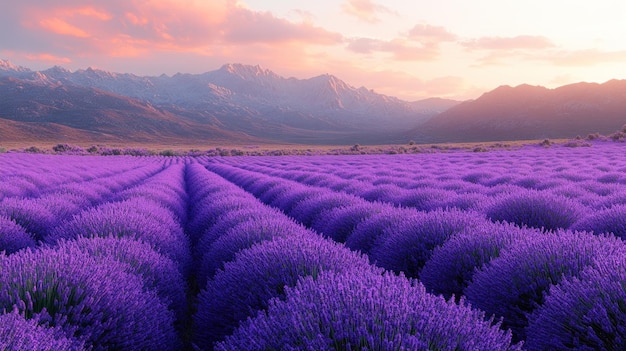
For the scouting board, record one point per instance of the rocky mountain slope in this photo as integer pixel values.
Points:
(531, 112)
(236, 100)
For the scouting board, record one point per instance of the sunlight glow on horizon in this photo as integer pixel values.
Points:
(453, 48)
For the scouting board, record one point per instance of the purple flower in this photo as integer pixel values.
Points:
(338, 223)
(157, 272)
(33, 216)
(535, 209)
(260, 273)
(13, 237)
(610, 220)
(452, 265)
(88, 298)
(19, 334)
(360, 310)
(224, 223)
(585, 313)
(406, 246)
(368, 232)
(307, 210)
(139, 219)
(513, 285)
(243, 236)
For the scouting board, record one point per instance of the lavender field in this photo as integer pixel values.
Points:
(502, 250)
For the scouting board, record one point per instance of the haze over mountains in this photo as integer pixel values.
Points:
(249, 104)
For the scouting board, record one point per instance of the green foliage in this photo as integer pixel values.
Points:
(168, 153)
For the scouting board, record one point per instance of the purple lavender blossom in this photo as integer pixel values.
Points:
(452, 265)
(139, 219)
(338, 223)
(365, 311)
(13, 237)
(224, 223)
(610, 220)
(20, 334)
(93, 300)
(407, 246)
(585, 313)
(260, 273)
(31, 215)
(367, 233)
(513, 285)
(243, 236)
(307, 210)
(157, 272)
(535, 209)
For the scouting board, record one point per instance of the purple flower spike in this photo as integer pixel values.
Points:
(366, 311)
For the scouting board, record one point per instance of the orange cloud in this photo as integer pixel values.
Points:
(59, 26)
(365, 10)
(48, 58)
(509, 43)
(132, 28)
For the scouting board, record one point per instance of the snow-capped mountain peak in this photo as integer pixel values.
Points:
(6, 65)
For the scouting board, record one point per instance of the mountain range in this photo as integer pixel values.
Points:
(248, 104)
(531, 112)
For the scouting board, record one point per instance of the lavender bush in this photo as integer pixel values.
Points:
(610, 220)
(365, 312)
(585, 313)
(90, 299)
(139, 219)
(31, 215)
(243, 236)
(366, 233)
(338, 223)
(406, 246)
(13, 237)
(156, 271)
(260, 273)
(514, 284)
(535, 209)
(453, 264)
(19, 334)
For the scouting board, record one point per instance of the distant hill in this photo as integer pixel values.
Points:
(54, 111)
(248, 104)
(531, 112)
(236, 103)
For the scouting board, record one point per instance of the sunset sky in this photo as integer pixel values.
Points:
(409, 49)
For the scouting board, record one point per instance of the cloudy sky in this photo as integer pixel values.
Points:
(407, 48)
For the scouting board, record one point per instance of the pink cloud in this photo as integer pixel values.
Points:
(429, 33)
(48, 58)
(400, 49)
(134, 27)
(246, 26)
(509, 43)
(402, 84)
(588, 57)
(59, 26)
(365, 10)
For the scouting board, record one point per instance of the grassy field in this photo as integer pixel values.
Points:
(235, 149)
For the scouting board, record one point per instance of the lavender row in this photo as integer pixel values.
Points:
(32, 175)
(111, 276)
(33, 219)
(287, 260)
(452, 252)
(572, 203)
(398, 239)
(534, 168)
